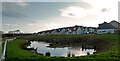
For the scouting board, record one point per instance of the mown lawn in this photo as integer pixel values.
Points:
(16, 53)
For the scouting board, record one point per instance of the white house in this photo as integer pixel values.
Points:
(54, 32)
(61, 31)
(74, 30)
(105, 28)
(116, 25)
(78, 29)
(68, 31)
(41, 33)
(92, 30)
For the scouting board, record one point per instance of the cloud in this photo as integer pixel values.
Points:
(97, 9)
(33, 21)
(11, 24)
(43, 0)
(22, 4)
(74, 12)
(10, 9)
(16, 14)
(105, 10)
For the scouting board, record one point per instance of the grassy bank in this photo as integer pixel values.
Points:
(109, 44)
(102, 42)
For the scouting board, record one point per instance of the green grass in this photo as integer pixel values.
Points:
(1, 51)
(15, 53)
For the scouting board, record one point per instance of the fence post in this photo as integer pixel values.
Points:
(3, 56)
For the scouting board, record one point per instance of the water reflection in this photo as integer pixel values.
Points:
(66, 51)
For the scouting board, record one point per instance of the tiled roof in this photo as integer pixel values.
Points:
(74, 28)
(40, 32)
(114, 21)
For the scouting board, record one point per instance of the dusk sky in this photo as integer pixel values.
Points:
(38, 15)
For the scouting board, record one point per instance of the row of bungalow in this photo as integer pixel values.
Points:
(103, 28)
(69, 30)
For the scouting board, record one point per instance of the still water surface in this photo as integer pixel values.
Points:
(42, 48)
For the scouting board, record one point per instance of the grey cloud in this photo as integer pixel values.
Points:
(70, 14)
(10, 9)
(33, 21)
(21, 4)
(14, 14)
(105, 9)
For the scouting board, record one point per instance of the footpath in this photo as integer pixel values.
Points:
(4, 50)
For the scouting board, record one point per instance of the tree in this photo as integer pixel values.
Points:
(17, 31)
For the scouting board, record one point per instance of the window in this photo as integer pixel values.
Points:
(68, 29)
(74, 28)
(59, 30)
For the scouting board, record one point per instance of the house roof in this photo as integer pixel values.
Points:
(91, 27)
(73, 28)
(114, 21)
(40, 32)
(58, 30)
(106, 25)
(46, 32)
(115, 24)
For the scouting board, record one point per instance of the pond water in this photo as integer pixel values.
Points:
(42, 48)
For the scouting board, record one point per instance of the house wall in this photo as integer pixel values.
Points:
(48, 33)
(74, 32)
(103, 31)
(79, 31)
(41, 33)
(116, 25)
(38, 34)
(92, 30)
(54, 32)
(84, 29)
(62, 32)
(69, 32)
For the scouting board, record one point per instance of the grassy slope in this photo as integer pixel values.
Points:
(14, 51)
